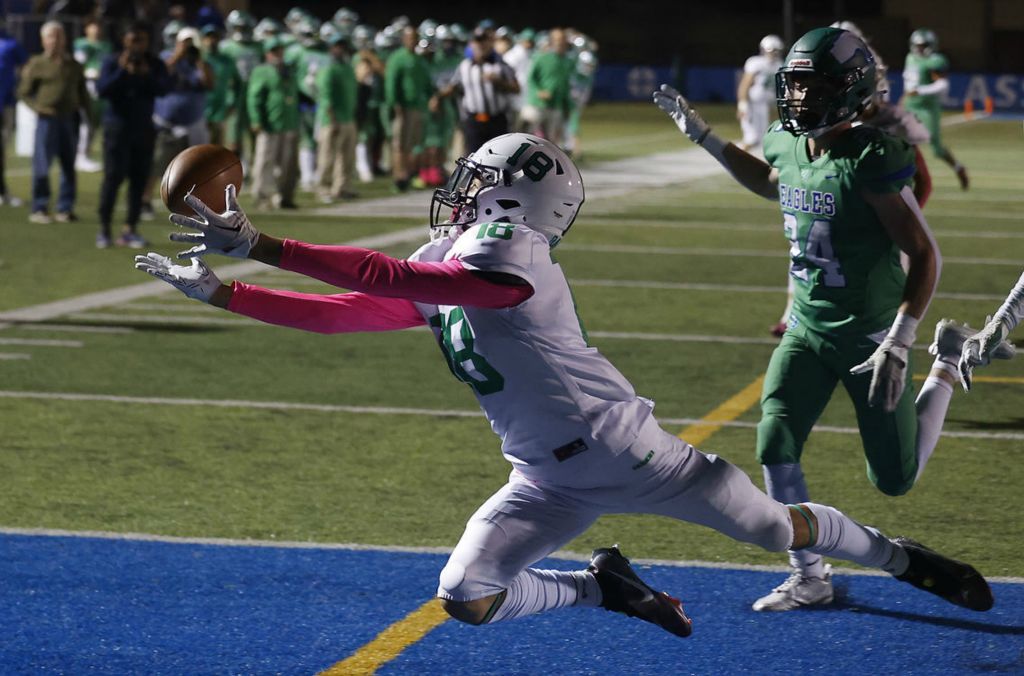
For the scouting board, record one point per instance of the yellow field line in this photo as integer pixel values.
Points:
(391, 642)
(697, 433)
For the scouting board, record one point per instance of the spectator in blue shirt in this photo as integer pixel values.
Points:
(12, 57)
(180, 113)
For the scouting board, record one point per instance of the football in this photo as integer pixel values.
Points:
(205, 170)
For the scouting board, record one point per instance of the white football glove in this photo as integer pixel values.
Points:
(888, 364)
(195, 281)
(227, 234)
(980, 349)
(685, 117)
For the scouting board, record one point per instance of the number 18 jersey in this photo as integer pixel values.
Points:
(554, 401)
(846, 270)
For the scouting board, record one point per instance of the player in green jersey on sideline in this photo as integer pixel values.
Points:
(849, 213)
(924, 82)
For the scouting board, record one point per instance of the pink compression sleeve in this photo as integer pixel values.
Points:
(343, 313)
(447, 283)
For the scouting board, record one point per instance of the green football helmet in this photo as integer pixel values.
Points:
(267, 28)
(240, 20)
(170, 33)
(828, 78)
(924, 41)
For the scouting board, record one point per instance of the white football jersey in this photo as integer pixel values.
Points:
(763, 69)
(553, 400)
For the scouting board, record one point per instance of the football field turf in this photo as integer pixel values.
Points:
(145, 412)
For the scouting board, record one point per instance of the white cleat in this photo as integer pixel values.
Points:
(949, 341)
(798, 591)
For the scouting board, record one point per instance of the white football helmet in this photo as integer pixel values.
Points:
(772, 43)
(514, 178)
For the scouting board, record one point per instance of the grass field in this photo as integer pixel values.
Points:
(193, 468)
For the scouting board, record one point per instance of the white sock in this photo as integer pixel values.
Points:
(363, 163)
(534, 591)
(785, 483)
(307, 166)
(932, 404)
(842, 537)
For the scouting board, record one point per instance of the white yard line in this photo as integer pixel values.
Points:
(626, 223)
(741, 288)
(564, 555)
(163, 319)
(398, 410)
(747, 253)
(14, 356)
(125, 294)
(76, 328)
(41, 342)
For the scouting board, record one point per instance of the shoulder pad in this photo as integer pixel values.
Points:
(501, 247)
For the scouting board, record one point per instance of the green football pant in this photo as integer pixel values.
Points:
(802, 374)
(930, 115)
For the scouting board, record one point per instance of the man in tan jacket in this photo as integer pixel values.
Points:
(53, 85)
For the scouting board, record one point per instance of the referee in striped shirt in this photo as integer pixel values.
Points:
(486, 84)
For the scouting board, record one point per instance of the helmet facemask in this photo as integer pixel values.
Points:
(806, 101)
(460, 194)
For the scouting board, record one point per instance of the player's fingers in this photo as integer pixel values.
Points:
(187, 221)
(187, 237)
(231, 197)
(670, 91)
(863, 367)
(193, 252)
(199, 206)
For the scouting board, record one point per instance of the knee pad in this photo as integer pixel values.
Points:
(776, 444)
(466, 582)
(891, 487)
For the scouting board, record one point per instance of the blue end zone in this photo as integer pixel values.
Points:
(84, 605)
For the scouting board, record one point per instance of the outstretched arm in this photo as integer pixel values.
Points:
(982, 347)
(752, 173)
(441, 283)
(343, 313)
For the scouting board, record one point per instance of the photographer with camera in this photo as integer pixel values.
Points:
(180, 114)
(130, 81)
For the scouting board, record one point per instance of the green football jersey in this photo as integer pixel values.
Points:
(845, 268)
(90, 55)
(247, 56)
(920, 70)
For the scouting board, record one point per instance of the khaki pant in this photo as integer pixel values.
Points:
(275, 168)
(406, 134)
(336, 158)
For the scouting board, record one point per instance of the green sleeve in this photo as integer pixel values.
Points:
(391, 75)
(325, 86)
(886, 165)
(941, 64)
(254, 99)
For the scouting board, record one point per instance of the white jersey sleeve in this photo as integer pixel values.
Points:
(500, 247)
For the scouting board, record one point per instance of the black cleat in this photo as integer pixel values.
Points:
(957, 582)
(623, 591)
